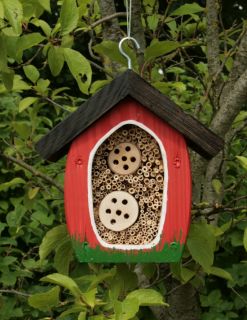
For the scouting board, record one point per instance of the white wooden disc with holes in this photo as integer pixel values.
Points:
(118, 210)
(125, 158)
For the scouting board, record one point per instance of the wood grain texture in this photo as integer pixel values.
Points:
(177, 219)
(56, 143)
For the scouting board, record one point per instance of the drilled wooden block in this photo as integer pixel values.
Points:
(118, 211)
(125, 158)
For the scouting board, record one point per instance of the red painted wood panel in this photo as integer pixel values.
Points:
(179, 178)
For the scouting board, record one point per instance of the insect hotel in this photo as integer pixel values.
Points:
(127, 179)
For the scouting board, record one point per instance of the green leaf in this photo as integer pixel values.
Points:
(43, 25)
(1, 10)
(33, 192)
(82, 316)
(240, 118)
(219, 272)
(46, 300)
(89, 297)
(14, 217)
(73, 309)
(63, 281)
(26, 102)
(153, 21)
(55, 60)
(31, 72)
(245, 239)
(181, 273)
(92, 281)
(12, 183)
(14, 13)
(3, 54)
(28, 41)
(201, 244)
(23, 128)
(127, 309)
(45, 4)
(69, 16)
(110, 50)
(43, 218)
(98, 317)
(217, 185)
(243, 161)
(147, 297)
(19, 85)
(97, 85)
(8, 79)
(142, 297)
(187, 9)
(79, 67)
(160, 48)
(42, 86)
(67, 41)
(63, 256)
(51, 240)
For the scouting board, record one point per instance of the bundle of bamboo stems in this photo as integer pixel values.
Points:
(145, 184)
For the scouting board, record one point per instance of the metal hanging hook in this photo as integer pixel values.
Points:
(124, 53)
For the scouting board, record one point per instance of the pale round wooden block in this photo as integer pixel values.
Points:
(125, 158)
(118, 210)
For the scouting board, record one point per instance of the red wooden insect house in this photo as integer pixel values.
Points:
(128, 180)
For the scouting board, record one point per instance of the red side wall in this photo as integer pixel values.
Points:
(179, 178)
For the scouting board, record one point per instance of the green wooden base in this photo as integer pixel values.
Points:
(170, 253)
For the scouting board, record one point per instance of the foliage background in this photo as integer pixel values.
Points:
(53, 56)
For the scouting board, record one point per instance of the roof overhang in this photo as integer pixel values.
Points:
(56, 143)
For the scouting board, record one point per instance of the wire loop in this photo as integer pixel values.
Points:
(124, 53)
(129, 16)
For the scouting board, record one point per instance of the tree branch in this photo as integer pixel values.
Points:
(138, 30)
(12, 291)
(107, 18)
(231, 106)
(212, 37)
(240, 60)
(35, 172)
(213, 50)
(111, 30)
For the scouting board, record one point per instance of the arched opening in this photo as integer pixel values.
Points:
(128, 177)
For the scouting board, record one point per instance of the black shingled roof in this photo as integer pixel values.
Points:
(56, 143)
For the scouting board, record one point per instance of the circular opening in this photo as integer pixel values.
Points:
(118, 212)
(114, 200)
(116, 151)
(108, 211)
(124, 201)
(128, 148)
(115, 162)
(126, 216)
(124, 158)
(113, 221)
(126, 167)
(133, 159)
